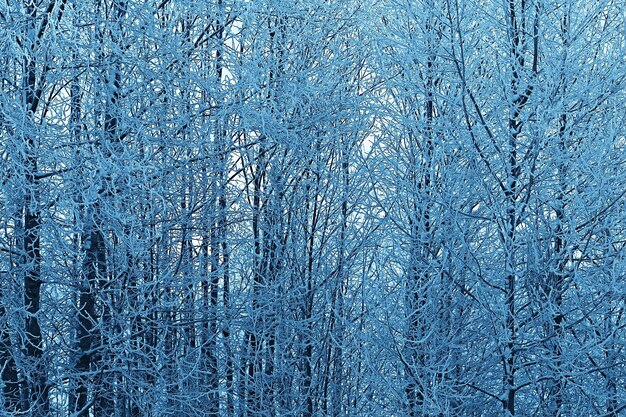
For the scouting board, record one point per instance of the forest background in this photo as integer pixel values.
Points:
(312, 208)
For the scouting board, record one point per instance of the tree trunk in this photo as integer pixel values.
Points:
(31, 244)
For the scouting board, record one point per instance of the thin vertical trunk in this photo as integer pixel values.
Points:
(213, 385)
(518, 33)
(255, 364)
(8, 366)
(613, 405)
(557, 281)
(187, 315)
(96, 328)
(225, 252)
(84, 299)
(37, 397)
(131, 390)
(208, 379)
(152, 299)
(421, 237)
(342, 273)
(307, 307)
(230, 406)
(270, 264)
(558, 274)
(87, 335)
(218, 205)
(92, 267)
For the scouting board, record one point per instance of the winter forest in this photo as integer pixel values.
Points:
(313, 208)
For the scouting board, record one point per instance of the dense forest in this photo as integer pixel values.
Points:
(313, 208)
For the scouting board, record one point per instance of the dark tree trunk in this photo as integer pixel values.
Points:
(31, 245)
